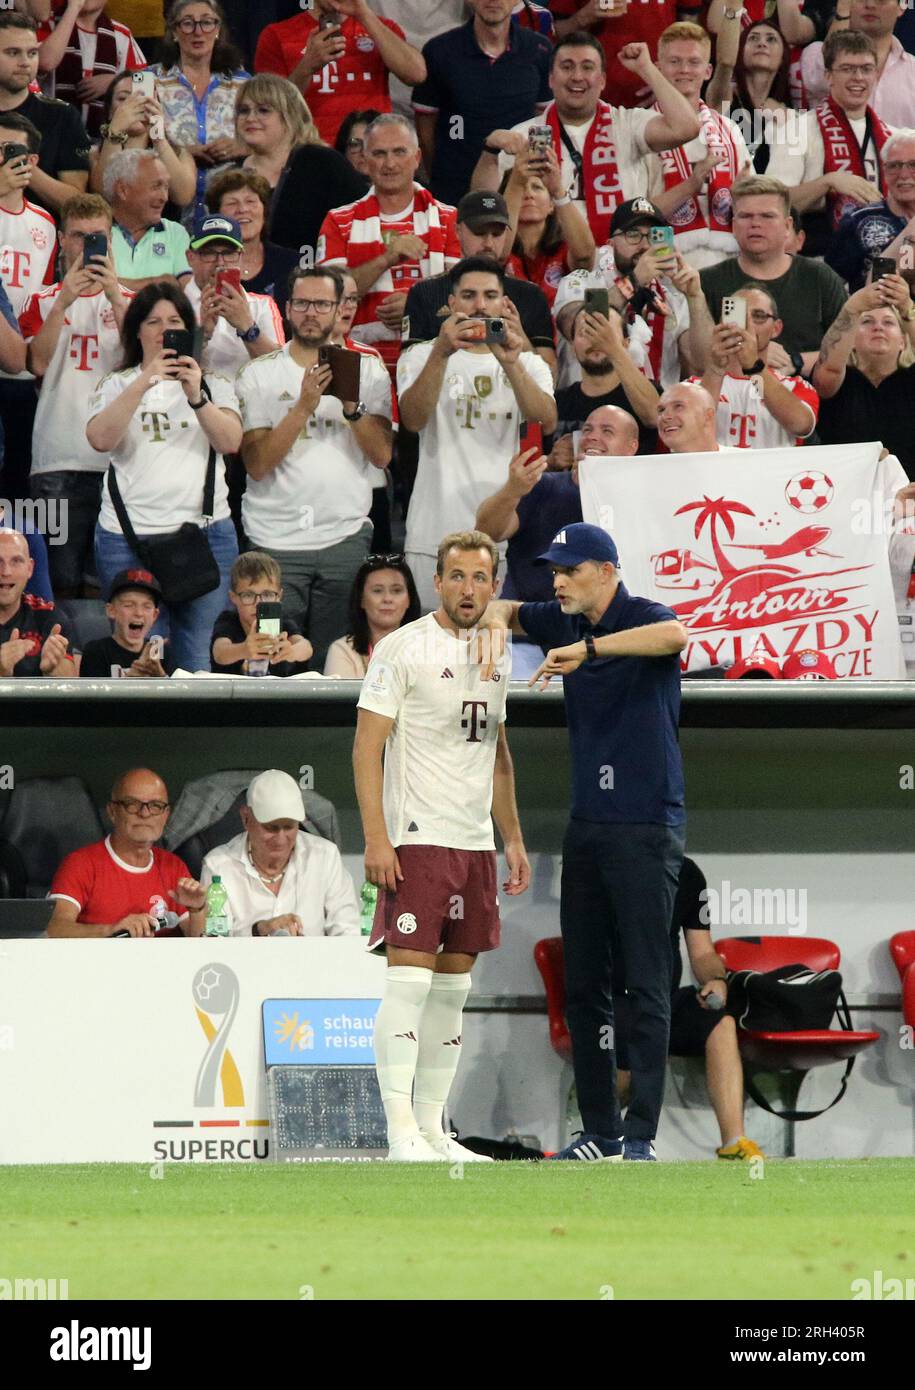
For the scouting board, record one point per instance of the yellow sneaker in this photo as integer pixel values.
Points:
(741, 1148)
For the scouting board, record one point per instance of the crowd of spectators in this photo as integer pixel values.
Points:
(304, 287)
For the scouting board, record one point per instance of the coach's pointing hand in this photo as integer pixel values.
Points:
(382, 867)
(561, 661)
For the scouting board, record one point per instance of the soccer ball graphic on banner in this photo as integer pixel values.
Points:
(809, 492)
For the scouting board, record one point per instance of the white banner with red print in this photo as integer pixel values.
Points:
(760, 551)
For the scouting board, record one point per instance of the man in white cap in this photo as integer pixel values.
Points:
(281, 881)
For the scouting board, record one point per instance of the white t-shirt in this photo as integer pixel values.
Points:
(743, 420)
(161, 461)
(468, 441)
(225, 352)
(440, 753)
(316, 887)
(572, 291)
(629, 143)
(89, 346)
(321, 492)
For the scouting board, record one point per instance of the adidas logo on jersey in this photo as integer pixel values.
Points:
(412, 828)
(447, 675)
(453, 1042)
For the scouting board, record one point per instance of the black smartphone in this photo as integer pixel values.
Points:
(880, 266)
(179, 340)
(12, 151)
(270, 618)
(597, 302)
(495, 331)
(94, 244)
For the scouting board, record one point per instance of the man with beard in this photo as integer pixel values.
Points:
(657, 292)
(310, 459)
(433, 724)
(884, 228)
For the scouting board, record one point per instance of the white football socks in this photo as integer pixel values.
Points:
(439, 1050)
(397, 1026)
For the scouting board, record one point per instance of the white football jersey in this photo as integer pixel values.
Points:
(468, 441)
(89, 346)
(744, 421)
(28, 240)
(321, 493)
(225, 352)
(440, 753)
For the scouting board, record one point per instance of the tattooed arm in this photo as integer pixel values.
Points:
(829, 372)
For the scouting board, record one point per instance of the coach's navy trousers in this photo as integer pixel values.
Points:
(619, 883)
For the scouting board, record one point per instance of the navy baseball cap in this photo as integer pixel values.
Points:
(578, 542)
(213, 227)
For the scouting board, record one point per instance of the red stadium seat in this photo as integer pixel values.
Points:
(902, 949)
(792, 1055)
(548, 959)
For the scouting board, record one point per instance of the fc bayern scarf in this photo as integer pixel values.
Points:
(688, 220)
(70, 72)
(598, 175)
(843, 154)
(366, 240)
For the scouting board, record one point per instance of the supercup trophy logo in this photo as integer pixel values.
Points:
(215, 990)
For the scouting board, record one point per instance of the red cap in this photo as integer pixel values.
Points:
(758, 667)
(809, 665)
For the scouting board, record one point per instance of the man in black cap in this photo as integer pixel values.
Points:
(484, 229)
(619, 659)
(132, 608)
(658, 293)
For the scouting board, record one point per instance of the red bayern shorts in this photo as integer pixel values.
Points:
(448, 901)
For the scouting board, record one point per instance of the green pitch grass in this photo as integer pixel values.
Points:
(804, 1230)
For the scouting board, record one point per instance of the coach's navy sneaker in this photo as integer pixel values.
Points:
(640, 1150)
(593, 1148)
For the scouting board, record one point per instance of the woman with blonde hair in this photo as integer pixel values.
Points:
(274, 125)
(866, 371)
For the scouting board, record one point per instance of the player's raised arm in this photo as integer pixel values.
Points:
(382, 866)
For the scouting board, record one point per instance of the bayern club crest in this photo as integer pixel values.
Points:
(809, 492)
(40, 238)
(722, 206)
(687, 212)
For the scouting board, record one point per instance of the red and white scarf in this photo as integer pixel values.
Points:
(599, 183)
(843, 154)
(365, 241)
(69, 72)
(655, 320)
(689, 222)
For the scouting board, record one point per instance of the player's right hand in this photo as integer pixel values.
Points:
(136, 924)
(382, 867)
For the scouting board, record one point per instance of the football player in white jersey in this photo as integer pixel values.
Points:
(426, 709)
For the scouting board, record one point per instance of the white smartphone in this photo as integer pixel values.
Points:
(144, 83)
(734, 311)
(156, 648)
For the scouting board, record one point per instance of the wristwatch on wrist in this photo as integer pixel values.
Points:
(732, 14)
(491, 149)
(250, 335)
(198, 405)
(113, 137)
(757, 367)
(563, 200)
(354, 415)
(590, 647)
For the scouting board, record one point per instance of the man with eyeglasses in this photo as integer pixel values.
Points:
(125, 885)
(73, 330)
(657, 292)
(310, 459)
(833, 155)
(390, 240)
(894, 95)
(758, 406)
(886, 228)
(237, 325)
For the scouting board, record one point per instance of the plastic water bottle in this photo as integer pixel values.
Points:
(258, 665)
(217, 897)
(369, 898)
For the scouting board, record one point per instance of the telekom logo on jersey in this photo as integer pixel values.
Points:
(475, 720)
(84, 350)
(14, 265)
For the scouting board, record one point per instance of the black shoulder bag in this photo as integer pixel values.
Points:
(181, 560)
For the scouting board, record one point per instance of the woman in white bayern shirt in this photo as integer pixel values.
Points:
(156, 424)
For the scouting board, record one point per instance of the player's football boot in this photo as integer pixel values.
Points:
(446, 1146)
(413, 1149)
(741, 1148)
(592, 1148)
(640, 1150)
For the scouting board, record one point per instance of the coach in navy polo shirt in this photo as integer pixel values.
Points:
(619, 657)
(486, 75)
